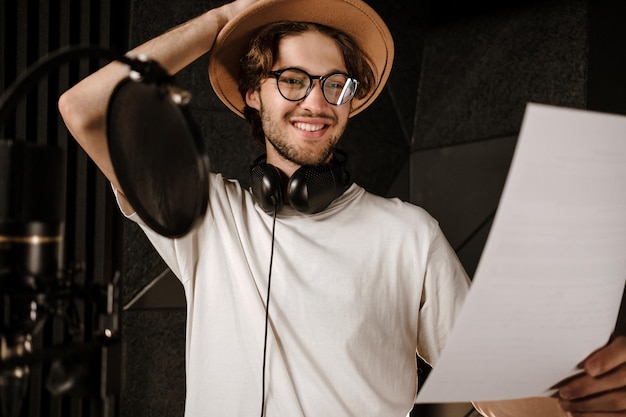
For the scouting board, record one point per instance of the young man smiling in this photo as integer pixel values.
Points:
(361, 283)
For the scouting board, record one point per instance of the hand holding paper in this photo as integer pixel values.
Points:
(602, 386)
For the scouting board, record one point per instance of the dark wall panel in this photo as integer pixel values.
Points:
(155, 363)
(481, 69)
(481, 66)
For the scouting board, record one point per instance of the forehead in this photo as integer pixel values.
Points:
(314, 52)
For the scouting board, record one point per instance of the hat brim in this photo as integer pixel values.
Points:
(353, 17)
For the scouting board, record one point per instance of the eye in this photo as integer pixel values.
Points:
(294, 80)
(335, 85)
(336, 82)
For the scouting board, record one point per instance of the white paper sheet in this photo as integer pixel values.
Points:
(548, 287)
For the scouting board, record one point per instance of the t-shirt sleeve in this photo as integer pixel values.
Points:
(179, 254)
(445, 286)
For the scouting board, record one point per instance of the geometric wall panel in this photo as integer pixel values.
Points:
(460, 186)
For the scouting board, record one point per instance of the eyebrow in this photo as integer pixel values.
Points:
(332, 71)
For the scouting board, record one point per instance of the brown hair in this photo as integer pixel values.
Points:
(258, 61)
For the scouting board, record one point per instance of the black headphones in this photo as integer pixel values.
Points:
(309, 190)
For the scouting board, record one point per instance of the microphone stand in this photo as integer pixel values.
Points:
(28, 298)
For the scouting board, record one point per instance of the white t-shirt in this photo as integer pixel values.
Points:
(356, 290)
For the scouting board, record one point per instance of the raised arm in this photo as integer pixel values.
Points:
(83, 107)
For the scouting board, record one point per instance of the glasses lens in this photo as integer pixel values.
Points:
(339, 89)
(293, 84)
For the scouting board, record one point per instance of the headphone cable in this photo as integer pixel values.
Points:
(267, 312)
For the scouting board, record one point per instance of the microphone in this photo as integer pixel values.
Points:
(33, 284)
(32, 208)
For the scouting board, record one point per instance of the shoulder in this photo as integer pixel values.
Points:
(389, 218)
(218, 183)
(395, 208)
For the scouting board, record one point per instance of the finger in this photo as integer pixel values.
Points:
(586, 385)
(607, 358)
(612, 402)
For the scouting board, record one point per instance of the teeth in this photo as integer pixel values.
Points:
(308, 127)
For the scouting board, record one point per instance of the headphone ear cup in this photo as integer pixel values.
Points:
(312, 188)
(309, 190)
(266, 184)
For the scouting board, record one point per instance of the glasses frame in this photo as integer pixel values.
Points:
(322, 80)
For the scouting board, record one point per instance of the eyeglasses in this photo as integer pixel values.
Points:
(295, 84)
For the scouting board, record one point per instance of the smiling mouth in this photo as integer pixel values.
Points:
(309, 127)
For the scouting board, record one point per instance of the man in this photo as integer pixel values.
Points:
(358, 283)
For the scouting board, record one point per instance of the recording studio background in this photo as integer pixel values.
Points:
(441, 135)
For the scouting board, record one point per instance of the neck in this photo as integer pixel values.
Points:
(285, 165)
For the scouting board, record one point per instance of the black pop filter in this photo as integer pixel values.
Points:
(158, 154)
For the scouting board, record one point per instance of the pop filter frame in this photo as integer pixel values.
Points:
(157, 151)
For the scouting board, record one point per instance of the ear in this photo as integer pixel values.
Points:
(253, 99)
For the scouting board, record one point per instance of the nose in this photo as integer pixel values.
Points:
(315, 100)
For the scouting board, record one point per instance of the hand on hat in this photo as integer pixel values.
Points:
(601, 389)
